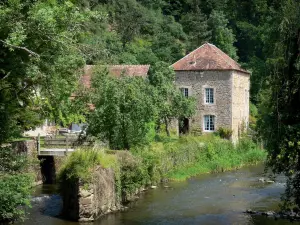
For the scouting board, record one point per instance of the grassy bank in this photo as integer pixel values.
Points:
(188, 156)
(169, 158)
(216, 155)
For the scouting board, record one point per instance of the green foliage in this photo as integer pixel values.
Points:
(279, 122)
(178, 159)
(222, 36)
(225, 133)
(195, 25)
(14, 195)
(15, 184)
(253, 117)
(211, 154)
(129, 18)
(168, 99)
(80, 164)
(188, 156)
(40, 57)
(133, 174)
(11, 162)
(124, 110)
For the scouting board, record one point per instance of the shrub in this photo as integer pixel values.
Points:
(15, 184)
(133, 174)
(14, 195)
(225, 133)
(80, 163)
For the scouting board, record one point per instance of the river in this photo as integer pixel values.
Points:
(206, 199)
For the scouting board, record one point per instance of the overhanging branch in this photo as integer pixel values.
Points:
(19, 47)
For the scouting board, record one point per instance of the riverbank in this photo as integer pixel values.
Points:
(124, 174)
(210, 154)
(217, 198)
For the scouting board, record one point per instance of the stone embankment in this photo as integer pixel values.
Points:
(86, 202)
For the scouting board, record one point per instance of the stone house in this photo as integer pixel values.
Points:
(220, 87)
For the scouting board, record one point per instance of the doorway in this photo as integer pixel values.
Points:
(184, 126)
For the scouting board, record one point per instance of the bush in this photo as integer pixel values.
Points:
(225, 133)
(15, 184)
(80, 163)
(133, 174)
(14, 195)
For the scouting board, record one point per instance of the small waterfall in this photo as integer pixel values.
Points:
(50, 205)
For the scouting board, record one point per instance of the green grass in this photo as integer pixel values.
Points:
(219, 155)
(80, 163)
(187, 156)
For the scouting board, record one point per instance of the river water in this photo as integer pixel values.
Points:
(206, 199)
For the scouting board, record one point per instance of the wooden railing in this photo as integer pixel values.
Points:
(59, 146)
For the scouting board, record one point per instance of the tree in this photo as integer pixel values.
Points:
(169, 100)
(195, 26)
(279, 123)
(221, 35)
(128, 16)
(40, 56)
(124, 110)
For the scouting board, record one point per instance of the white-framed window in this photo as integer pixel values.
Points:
(209, 123)
(185, 92)
(209, 96)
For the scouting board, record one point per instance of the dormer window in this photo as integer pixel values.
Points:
(209, 96)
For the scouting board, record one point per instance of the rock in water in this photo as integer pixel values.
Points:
(270, 181)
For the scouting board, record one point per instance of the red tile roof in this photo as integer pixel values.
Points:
(207, 57)
(116, 70)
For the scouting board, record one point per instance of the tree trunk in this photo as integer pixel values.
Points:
(167, 127)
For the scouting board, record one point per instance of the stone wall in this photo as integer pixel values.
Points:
(196, 82)
(88, 201)
(240, 103)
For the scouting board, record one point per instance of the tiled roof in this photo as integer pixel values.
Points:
(207, 57)
(116, 70)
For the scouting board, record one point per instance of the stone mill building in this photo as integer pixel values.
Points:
(220, 87)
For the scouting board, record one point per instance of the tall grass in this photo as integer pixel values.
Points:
(188, 156)
(80, 164)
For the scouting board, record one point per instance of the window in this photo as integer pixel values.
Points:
(209, 123)
(209, 95)
(185, 91)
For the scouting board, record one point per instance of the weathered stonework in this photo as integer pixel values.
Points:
(231, 98)
(197, 81)
(86, 202)
(240, 103)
